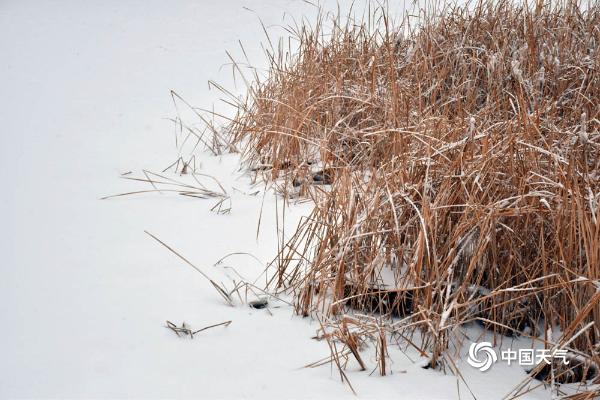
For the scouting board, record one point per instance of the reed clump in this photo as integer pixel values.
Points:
(461, 149)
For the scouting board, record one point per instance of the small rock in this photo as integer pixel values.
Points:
(324, 177)
(259, 304)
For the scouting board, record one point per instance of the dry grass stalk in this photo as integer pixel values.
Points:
(186, 330)
(219, 288)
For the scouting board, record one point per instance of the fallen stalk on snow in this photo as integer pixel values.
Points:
(186, 330)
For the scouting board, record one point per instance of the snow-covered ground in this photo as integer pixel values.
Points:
(84, 292)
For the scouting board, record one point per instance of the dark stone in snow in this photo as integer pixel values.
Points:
(259, 304)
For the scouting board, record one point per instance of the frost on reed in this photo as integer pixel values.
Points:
(463, 152)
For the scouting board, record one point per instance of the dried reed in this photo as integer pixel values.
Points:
(461, 168)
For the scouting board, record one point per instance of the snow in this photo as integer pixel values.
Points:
(85, 293)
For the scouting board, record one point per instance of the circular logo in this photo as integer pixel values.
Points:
(486, 352)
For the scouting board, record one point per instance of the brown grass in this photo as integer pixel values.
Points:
(462, 155)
